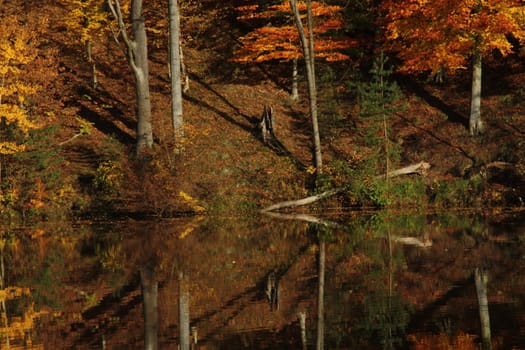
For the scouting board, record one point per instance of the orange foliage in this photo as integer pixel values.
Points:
(282, 42)
(433, 35)
(442, 341)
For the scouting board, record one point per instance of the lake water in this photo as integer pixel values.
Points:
(354, 281)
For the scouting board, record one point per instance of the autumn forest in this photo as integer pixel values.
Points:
(298, 173)
(98, 115)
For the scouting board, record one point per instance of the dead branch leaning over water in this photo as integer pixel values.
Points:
(420, 168)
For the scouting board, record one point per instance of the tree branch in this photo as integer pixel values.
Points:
(419, 168)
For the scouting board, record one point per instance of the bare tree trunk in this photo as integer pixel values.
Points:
(184, 72)
(151, 314)
(137, 50)
(295, 92)
(308, 53)
(89, 51)
(475, 122)
(175, 69)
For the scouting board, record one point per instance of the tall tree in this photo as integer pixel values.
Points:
(137, 54)
(309, 54)
(279, 40)
(86, 21)
(450, 34)
(16, 53)
(175, 69)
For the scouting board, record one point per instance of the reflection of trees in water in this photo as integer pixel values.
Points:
(481, 280)
(386, 318)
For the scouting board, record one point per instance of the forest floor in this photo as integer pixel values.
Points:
(226, 166)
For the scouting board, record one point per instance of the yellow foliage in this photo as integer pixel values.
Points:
(16, 52)
(192, 202)
(86, 19)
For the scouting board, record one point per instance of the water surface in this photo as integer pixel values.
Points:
(386, 281)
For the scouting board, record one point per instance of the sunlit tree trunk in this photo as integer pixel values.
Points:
(308, 52)
(175, 69)
(149, 287)
(475, 123)
(137, 50)
(481, 279)
(295, 77)
(89, 51)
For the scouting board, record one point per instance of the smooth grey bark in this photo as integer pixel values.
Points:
(94, 76)
(475, 122)
(481, 279)
(149, 286)
(309, 54)
(137, 52)
(175, 69)
(295, 91)
(184, 315)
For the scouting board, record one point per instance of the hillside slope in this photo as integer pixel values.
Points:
(225, 165)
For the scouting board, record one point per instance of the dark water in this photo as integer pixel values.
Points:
(376, 281)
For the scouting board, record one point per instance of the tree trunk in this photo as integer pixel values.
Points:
(481, 279)
(308, 53)
(175, 69)
(320, 297)
(184, 315)
(144, 131)
(94, 77)
(475, 123)
(295, 92)
(137, 50)
(151, 314)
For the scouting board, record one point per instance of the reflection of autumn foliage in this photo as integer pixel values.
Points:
(441, 341)
(17, 329)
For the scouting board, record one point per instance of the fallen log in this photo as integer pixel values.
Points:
(419, 168)
(303, 201)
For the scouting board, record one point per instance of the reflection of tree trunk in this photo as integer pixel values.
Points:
(302, 322)
(2, 286)
(149, 286)
(481, 278)
(184, 315)
(320, 300)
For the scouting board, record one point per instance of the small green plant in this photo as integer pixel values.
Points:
(108, 178)
(457, 193)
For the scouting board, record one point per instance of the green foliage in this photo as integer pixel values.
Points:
(108, 178)
(379, 100)
(387, 317)
(330, 102)
(457, 193)
(31, 179)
